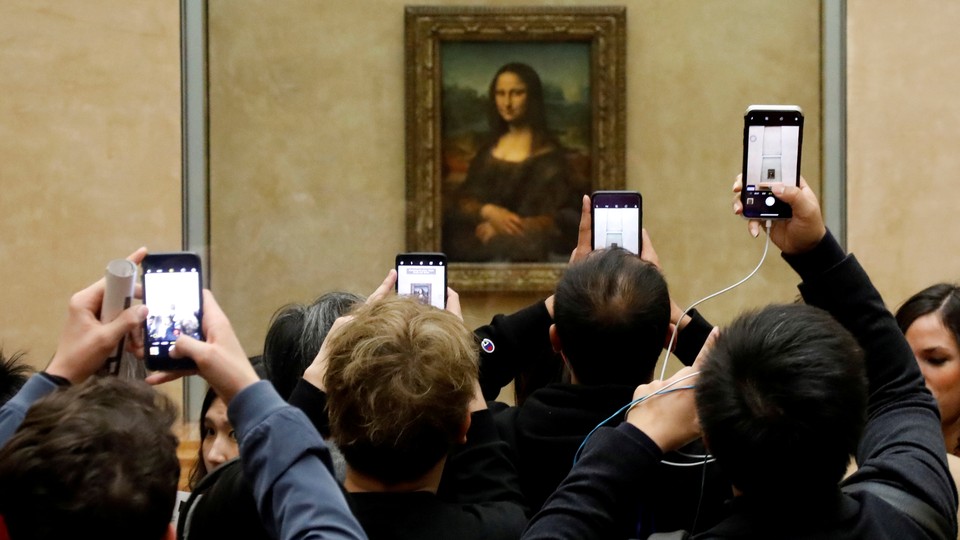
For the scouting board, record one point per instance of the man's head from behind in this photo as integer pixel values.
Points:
(782, 401)
(97, 460)
(612, 311)
(399, 381)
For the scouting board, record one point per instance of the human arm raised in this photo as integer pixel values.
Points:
(282, 455)
(512, 344)
(85, 344)
(901, 445)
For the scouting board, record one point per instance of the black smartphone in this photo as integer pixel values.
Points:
(772, 138)
(616, 218)
(424, 277)
(173, 294)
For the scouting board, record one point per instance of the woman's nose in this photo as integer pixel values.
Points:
(218, 452)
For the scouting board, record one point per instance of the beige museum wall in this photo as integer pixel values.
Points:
(307, 144)
(903, 130)
(90, 155)
(89, 152)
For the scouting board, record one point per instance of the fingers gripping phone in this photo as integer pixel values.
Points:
(772, 138)
(173, 294)
(616, 218)
(424, 277)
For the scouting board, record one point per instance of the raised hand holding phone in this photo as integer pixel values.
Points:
(220, 359)
(86, 341)
(795, 235)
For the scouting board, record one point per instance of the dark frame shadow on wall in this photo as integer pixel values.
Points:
(512, 114)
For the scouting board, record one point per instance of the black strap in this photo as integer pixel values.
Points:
(922, 513)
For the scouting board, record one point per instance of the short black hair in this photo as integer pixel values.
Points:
(612, 312)
(782, 400)
(97, 459)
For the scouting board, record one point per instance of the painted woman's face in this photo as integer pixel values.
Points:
(935, 347)
(219, 442)
(510, 94)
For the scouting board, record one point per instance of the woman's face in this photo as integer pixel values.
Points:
(510, 93)
(935, 347)
(219, 442)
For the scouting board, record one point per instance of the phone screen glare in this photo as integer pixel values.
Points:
(772, 154)
(172, 296)
(617, 225)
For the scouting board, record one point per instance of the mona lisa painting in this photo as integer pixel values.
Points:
(512, 116)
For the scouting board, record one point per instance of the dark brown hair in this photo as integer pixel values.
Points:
(942, 299)
(98, 459)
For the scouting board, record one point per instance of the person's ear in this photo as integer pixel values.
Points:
(462, 436)
(555, 339)
(671, 328)
(558, 348)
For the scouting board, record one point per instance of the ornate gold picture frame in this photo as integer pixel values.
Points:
(508, 221)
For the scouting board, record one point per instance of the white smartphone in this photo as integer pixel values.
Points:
(616, 218)
(424, 277)
(772, 139)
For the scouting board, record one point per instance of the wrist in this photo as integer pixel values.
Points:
(664, 434)
(55, 379)
(231, 388)
(61, 371)
(809, 245)
(314, 376)
(683, 321)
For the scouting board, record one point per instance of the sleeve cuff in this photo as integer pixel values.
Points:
(35, 388)
(55, 379)
(313, 402)
(691, 339)
(818, 260)
(252, 406)
(640, 438)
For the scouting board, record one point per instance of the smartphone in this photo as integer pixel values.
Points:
(173, 294)
(424, 277)
(772, 138)
(616, 218)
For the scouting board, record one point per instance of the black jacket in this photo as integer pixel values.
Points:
(901, 446)
(547, 429)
